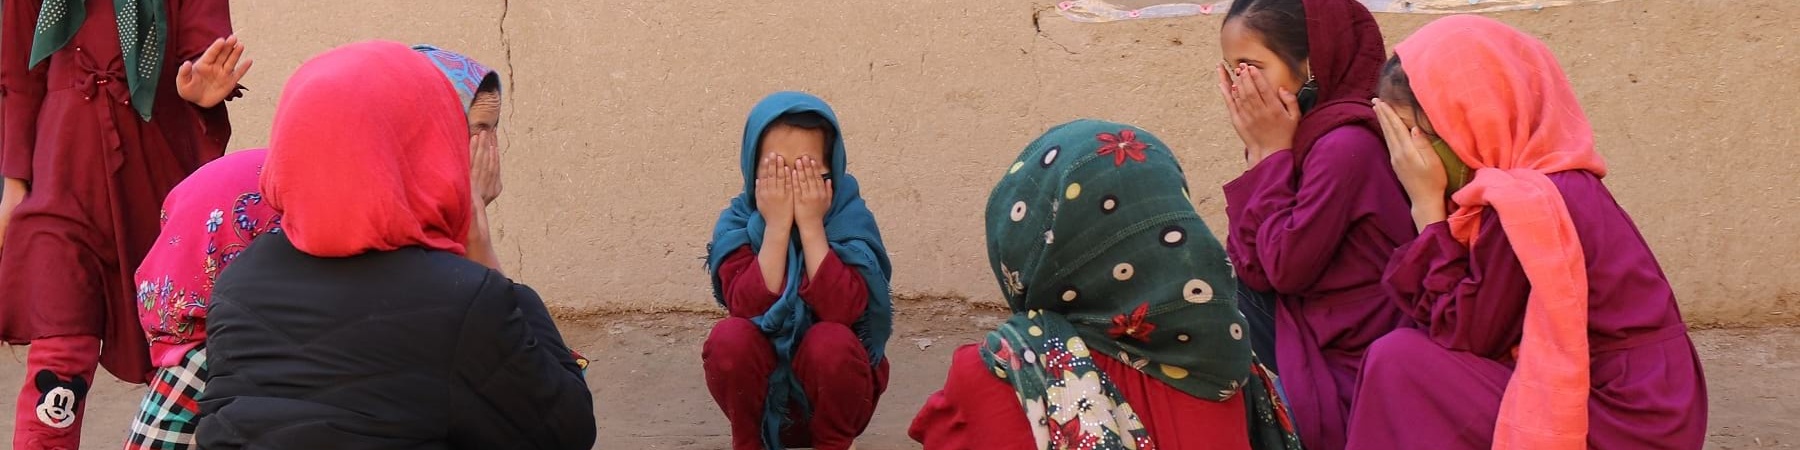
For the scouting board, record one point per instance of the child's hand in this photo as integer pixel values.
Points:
(1414, 161)
(812, 193)
(484, 159)
(207, 81)
(1265, 118)
(775, 192)
(10, 196)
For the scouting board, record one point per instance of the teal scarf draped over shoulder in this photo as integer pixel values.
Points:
(143, 35)
(849, 227)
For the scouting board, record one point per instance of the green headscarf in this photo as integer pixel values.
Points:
(1099, 251)
(143, 32)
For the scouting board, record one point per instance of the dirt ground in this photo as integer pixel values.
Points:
(649, 394)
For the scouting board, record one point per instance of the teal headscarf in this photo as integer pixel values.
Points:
(849, 226)
(143, 34)
(1099, 251)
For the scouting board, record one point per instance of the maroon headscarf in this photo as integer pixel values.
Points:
(1345, 52)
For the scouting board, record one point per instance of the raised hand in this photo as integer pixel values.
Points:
(1415, 162)
(812, 192)
(484, 162)
(1263, 116)
(209, 80)
(775, 192)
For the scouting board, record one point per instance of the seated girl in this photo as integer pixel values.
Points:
(1124, 332)
(362, 324)
(799, 361)
(1544, 320)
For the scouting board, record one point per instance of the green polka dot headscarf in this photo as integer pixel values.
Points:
(1099, 251)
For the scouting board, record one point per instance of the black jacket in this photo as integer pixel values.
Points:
(407, 349)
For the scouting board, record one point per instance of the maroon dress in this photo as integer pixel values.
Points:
(97, 173)
(831, 363)
(1319, 240)
(1439, 386)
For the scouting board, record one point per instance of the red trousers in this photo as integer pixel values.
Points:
(833, 369)
(59, 373)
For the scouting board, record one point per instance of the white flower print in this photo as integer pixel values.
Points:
(1013, 285)
(212, 222)
(1083, 398)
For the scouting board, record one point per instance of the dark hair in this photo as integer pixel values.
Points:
(1282, 24)
(1395, 88)
(811, 121)
(489, 83)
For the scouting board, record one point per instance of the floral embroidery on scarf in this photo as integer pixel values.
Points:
(1133, 325)
(1121, 146)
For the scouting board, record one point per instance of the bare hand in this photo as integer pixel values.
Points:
(484, 160)
(1415, 162)
(207, 81)
(775, 192)
(10, 197)
(812, 193)
(1265, 117)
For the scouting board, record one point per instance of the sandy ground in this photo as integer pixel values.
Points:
(649, 393)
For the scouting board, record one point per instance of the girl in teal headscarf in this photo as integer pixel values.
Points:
(1124, 333)
(799, 264)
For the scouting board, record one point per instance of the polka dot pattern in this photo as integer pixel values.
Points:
(1070, 294)
(1015, 167)
(1197, 291)
(1109, 204)
(1018, 211)
(1051, 154)
(1173, 236)
(1074, 190)
(1123, 271)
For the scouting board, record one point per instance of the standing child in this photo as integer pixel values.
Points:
(1545, 321)
(799, 361)
(1316, 216)
(107, 106)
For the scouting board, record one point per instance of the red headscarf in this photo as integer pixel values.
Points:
(370, 152)
(1501, 101)
(1345, 52)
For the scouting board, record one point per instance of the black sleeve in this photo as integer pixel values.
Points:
(529, 391)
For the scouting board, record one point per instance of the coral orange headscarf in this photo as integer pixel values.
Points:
(1500, 99)
(370, 152)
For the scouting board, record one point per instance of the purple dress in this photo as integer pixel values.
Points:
(1439, 386)
(1319, 239)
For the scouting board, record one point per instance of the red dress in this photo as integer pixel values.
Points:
(976, 410)
(831, 363)
(97, 173)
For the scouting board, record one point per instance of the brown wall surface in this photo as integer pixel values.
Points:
(623, 120)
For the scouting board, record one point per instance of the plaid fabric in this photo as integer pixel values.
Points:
(170, 411)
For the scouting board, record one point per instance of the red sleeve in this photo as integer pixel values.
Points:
(21, 88)
(837, 293)
(745, 294)
(974, 411)
(198, 24)
(1284, 226)
(1471, 301)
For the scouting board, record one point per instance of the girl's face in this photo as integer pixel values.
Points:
(793, 143)
(1243, 45)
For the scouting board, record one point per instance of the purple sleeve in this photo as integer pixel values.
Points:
(1468, 300)
(1285, 226)
(21, 88)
